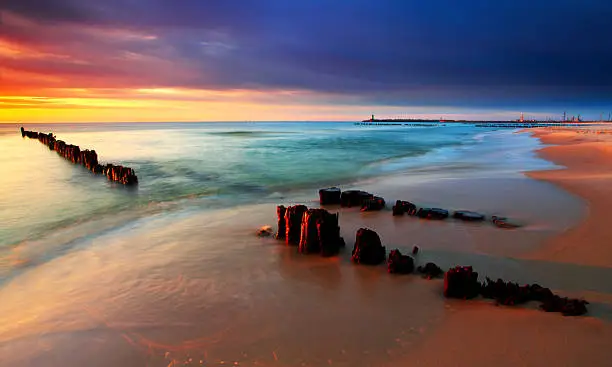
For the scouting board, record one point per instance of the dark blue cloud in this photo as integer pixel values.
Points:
(436, 52)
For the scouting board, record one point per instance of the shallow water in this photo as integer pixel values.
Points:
(96, 274)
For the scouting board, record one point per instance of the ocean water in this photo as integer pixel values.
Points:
(215, 165)
(169, 273)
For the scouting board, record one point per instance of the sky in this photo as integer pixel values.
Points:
(263, 60)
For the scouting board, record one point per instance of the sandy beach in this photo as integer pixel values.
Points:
(200, 289)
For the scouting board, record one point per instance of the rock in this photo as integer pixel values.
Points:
(430, 270)
(376, 203)
(461, 282)
(415, 250)
(265, 231)
(282, 228)
(329, 196)
(468, 216)
(567, 306)
(293, 224)
(432, 213)
(405, 207)
(502, 222)
(399, 264)
(352, 198)
(368, 249)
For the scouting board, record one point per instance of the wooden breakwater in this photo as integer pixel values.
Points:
(87, 158)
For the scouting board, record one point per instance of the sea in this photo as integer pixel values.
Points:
(95, 273)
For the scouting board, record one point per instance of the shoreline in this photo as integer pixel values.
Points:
(181, 286)
(587, 174)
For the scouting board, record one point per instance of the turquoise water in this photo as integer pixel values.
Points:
(216, 165)
(208, 165)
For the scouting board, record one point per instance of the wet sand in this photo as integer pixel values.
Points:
(588, 158)
(200, 289)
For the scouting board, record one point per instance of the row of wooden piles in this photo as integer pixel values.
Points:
(87, 158)
(370, 202)
(317, 231)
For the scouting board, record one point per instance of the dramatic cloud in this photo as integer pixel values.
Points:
(472, 54)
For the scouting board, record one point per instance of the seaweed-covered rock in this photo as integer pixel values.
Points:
(320, 233)
(506, 293)
(430, 270)
(461, 282)
(567, 306)
(293, 224)
(330, 196)
(376, 203)
(399, 264)
(282, 228)
(432, 213)
(368, 249)
(467, 215)
(352, 198)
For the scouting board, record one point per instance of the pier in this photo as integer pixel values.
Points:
(86, 158)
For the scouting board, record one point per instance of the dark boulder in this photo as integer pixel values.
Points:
(352, 198)
(293, 224)
(282, 228)
(368, 249)
(468, 216)
(405, 207)
(430, 270)
(461, 282)
(502, 222)
(376, 203)
(330, 196)
(399, 264)
(432, 213)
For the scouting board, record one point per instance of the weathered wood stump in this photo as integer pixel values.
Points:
(330, 196)
(282, 228)
(293, 224)
(320, 233)
(374, 204)
(368, 249)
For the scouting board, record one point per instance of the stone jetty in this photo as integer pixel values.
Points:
(86, 158)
